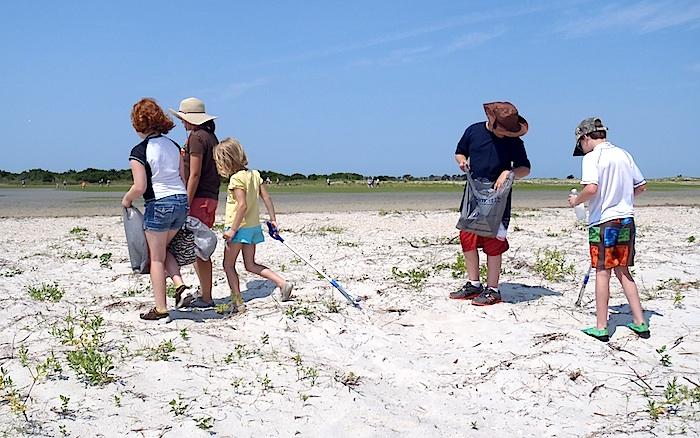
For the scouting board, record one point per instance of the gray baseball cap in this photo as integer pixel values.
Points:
(591, 124)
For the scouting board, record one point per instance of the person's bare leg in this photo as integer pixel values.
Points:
(157, 244)
(230, 255)
(493, 265)
(602, 296)
(471, 259)
(629, 287)
(204, 273)
(172, 269)
(261, 270)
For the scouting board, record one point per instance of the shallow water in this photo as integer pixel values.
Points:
(51, 202)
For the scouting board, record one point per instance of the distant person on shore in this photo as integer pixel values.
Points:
(24, 183)
(82, 185)
(242, 230)
(328, 182)
(64, 183)
(611, 180)
(491, 150)
(158, 173)
(202, 186)
(108, 182)
(370, 182)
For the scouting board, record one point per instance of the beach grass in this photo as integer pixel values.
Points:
(305, 186)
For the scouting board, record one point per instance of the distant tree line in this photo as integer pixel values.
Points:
(116, 176)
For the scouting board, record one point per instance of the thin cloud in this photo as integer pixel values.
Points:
(410, 54)
(395, 57)
(641, 17)
(457, 22)
(472, 40)
(236, 89)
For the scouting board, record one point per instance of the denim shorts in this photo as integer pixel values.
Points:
(165, 214)
(248, 235)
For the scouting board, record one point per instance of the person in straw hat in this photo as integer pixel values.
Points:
(202, 186)
(491, 150)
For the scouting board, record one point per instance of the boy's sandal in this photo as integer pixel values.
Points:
(179, 298)
(154, 314)
(599, 334)
(642, 330)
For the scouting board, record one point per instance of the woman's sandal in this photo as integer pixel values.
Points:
(154, 314)
(642, 330)
(599, 334)
(179, 298)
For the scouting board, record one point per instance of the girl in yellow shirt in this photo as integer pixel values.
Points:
(242, 229)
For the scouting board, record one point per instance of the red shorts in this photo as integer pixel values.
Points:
(204, 209)
(491, 245)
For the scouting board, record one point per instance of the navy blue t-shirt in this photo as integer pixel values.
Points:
(489, 155)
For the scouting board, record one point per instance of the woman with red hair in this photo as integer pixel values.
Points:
(157, 170)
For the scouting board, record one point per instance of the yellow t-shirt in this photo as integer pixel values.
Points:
(248, 180)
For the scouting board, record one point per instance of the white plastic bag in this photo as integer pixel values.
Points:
(204, 238)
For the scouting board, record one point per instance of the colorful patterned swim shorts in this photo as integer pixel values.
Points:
(612, 243)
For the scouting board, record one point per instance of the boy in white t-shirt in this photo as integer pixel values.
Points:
(611, 180)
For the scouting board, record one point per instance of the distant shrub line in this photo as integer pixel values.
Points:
(116, 176)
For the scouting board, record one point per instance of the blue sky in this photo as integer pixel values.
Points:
(374, 87)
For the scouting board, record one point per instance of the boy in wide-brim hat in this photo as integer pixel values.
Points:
(490, 150)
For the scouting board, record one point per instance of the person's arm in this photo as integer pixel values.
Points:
(462, 151)
(587, 193)
(520, 165)
(462, 162)
(183, 177)
(138, 188)
(241, 209)
(640, 189)
(193, 177)
(267, 200)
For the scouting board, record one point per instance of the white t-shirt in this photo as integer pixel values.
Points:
(616, 175)
(161, 158)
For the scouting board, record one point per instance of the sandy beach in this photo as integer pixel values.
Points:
(410, 363)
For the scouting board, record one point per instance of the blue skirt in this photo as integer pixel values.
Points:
(248, 235)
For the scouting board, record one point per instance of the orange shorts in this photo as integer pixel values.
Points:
(204, 209)
(491, 245)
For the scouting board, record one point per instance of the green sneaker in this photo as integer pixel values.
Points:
(599, 334)
(642, 330)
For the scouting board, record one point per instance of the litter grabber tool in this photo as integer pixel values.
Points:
(583, 287)
(274, 233)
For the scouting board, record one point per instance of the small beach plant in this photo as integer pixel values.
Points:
(85, 337)
(106, 260)
(46, 292)
(551, 265)
(178, 406)
(415, 278)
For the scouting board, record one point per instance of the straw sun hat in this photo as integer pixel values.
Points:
(192, 111)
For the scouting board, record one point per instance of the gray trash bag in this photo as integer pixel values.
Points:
(136, 240)
(483, 206)
(204, 238)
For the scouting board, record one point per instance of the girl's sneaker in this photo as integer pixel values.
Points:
(599, 334)
(180, 296)
(286, 291)
(642, 330)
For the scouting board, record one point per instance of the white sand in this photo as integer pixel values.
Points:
(426, 365)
